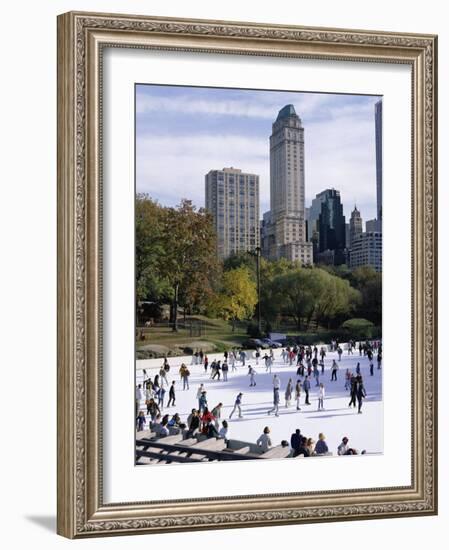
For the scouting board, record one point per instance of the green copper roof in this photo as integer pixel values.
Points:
(286, 111)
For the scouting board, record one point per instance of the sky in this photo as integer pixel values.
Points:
(183, 132)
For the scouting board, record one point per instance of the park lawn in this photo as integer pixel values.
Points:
(214, 331)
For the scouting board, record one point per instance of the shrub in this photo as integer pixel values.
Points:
(358, 328)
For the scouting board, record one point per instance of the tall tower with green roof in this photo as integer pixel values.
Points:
(284, 228)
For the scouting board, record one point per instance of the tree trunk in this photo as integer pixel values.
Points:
(175, 309)
(233, 324)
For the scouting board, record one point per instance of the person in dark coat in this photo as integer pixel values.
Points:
(360, 393)
(303, 449)
(171, 395)
(353, 391)
(295, 442)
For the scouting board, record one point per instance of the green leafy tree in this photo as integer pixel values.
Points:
(369, 284)
(296, 293)
(336, 300)
(149, 232)
(189, 258)
(358, 328)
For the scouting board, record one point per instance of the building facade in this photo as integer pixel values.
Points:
(331, 228)
(378, 130)
(284, 226)
(366, 250)
(232, 197)
(355, 226)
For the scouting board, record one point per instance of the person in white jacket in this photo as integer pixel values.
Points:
(264, 441)
(321, 395)
(276, 382)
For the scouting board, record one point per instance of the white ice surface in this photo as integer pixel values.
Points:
(365, 431)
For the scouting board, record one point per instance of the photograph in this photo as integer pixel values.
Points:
(258, 274)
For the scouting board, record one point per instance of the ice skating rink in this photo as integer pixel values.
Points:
(365, 430)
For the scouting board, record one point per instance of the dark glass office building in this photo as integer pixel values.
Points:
(332, 228)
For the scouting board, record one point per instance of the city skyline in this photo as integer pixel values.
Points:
(183, 132)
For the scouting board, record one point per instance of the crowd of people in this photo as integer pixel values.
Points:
(206, 419)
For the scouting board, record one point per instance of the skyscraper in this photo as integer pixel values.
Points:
(355, 226)
(332, 227)
(284, 231)
(378, 130)
(232, 197)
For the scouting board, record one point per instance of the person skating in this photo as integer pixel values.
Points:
(217, 371)
(224, 370)
(316, 373)
(163, 376)
(252, 374)
(276, 400)
(185, 373)
(161, 397)
(379, 359)
(237, 405)
(300, 370)
(360, 393)
(267, 360)
(334, 370)
(353, 391)
(288, 393)
(199, 392)
(264, 441)
(371, 367)
(340, 352)
(298, 394)
(171, 395)
(321, 395)
(306, 388)
(348, 379)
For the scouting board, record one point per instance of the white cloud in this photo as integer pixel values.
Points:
(265, 106)
(171, 169)
(339, 149)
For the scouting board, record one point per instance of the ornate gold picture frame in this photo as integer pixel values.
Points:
(82, 39)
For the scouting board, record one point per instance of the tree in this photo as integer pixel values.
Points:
(237, 298)
(175, 254)
(189, 255)
(358, 328)
(296, 293)
(269, 270)
(336, 300)
(369, 283)
(149, 216)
